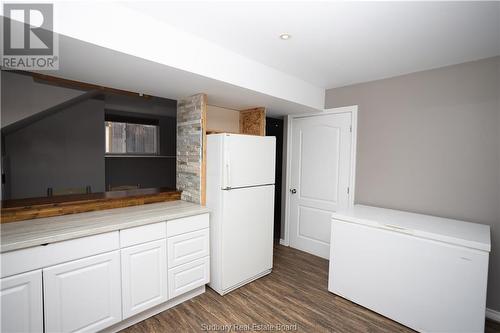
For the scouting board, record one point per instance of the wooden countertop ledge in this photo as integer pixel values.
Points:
(34, 208)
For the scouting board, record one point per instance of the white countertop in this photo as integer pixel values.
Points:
(456, 232)
(28, 233)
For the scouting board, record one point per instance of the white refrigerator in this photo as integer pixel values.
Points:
(240, 195)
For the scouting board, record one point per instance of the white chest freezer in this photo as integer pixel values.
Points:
(425, 272)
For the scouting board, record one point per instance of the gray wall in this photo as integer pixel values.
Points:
(64, 150)
(153, 105)
(429, 142)
(22, 97)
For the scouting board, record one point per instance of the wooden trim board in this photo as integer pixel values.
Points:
(204, 105)
(27, 209)
(65, 83)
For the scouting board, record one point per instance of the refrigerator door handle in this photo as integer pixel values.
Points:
(226, 184)
(227, 173)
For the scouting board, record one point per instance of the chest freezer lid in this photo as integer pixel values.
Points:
(472, 235)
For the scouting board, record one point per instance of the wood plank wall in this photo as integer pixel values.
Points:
(253, 121)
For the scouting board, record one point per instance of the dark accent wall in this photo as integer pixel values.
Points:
(145, 171)
(63, 150)
(274, 127)
(55, 137)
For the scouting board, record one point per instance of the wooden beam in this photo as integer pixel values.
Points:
(253, 121)
(65, 83)
(27, 209)
(204, 106)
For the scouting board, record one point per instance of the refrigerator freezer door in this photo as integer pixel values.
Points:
(247, 234)
(249, 160)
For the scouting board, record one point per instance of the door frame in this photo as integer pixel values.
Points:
(353, 110)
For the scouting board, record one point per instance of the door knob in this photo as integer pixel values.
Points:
(293, 191)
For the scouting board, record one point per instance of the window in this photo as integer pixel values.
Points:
(133, 139)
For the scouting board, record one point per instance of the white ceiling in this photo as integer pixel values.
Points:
(90, 63)
(340, 43)
(162, 60)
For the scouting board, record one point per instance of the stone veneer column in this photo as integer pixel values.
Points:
(191, 142)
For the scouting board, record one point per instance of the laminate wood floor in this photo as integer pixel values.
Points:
(295, 293)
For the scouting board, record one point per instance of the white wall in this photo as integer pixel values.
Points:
(183, 51)
(429, 142)
(222, 119)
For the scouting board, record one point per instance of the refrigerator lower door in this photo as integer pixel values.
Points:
(247, 234)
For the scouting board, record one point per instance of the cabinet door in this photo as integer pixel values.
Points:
(83, 295)
(144, 276)
(21, 299)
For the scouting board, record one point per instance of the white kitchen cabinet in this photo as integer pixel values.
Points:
(184, 278)
(427, 273)
(92, 283)
(83, 295)
(21, 299)
(188, 254)
(142, 234)
(187, 224)
(144, 276)
(38, 257)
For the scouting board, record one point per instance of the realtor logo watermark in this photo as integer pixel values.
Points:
(29, 42)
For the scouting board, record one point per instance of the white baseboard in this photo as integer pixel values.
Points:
(153, 311)
(283, 242)
(493, 315)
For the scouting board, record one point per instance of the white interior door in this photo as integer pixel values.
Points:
(320, 174)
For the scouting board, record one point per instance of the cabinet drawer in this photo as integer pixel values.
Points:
(142, 234)
(187, 247)
(32, 258)
(187, 224)
(184, 278)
